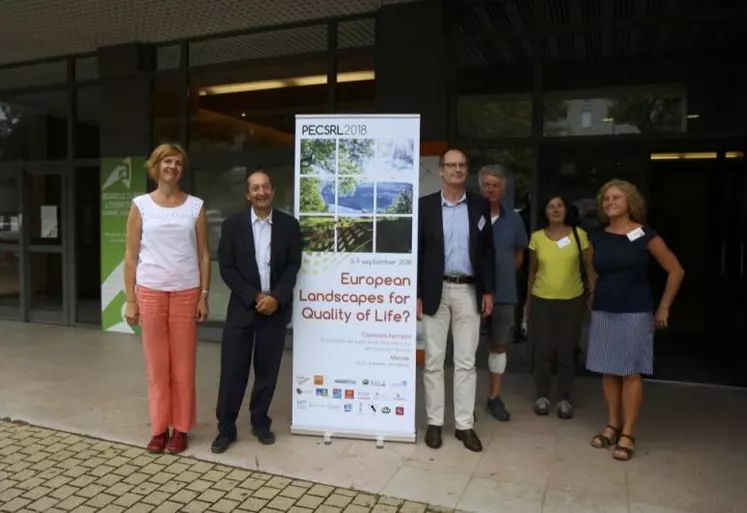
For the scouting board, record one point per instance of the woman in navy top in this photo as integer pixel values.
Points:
(621, 335)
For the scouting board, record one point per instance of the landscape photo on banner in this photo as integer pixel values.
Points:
(121, 180)
(354, 314)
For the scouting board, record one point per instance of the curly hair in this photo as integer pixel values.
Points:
(636, 203)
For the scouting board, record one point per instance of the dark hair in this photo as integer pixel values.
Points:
(571, 211)
(259, 170)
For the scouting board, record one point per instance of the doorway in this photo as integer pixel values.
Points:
(697, 205)
(49, 243)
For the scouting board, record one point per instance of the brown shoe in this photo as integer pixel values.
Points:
(433, 437)
(178, 443)
(158, 443)
(470, 439)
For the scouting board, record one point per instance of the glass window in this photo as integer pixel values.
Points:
(45, 195)
(355, 91)
(487, 116)
(86, 68)
(356, 33)
(88, 122)
(45, 271)
(10, 278)
(224, 192)
(167, 107)
(254, 108)
(34, 75)
(628, 111)
(34, 126)
(10, 211)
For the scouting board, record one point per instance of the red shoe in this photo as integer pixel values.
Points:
(178, 443)
(158, 443)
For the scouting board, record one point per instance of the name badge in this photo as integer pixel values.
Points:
(564, 242)
(481, 223)
(635, 234)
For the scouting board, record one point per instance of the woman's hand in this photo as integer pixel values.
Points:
(132, 313)
(662, 317)
(203, 310)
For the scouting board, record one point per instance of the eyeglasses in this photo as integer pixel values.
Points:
(455, 165)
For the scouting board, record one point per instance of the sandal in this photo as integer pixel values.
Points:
(624, 453)
(601, 441)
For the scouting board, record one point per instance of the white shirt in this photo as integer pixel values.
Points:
(168, 259)
(262, 230)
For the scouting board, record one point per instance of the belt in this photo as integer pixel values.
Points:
(459, 279)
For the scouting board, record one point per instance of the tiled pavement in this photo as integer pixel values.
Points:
(47, 471)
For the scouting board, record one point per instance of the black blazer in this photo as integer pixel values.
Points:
(431, 253)
(238, 267)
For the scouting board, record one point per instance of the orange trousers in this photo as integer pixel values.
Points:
(169, 331)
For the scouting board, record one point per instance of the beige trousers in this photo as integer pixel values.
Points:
(459, 309)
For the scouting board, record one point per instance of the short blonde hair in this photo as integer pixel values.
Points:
(162, 152)
(636, 203)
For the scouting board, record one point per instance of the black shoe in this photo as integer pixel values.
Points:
(497, 409)
(221, 444)
(565, 410)
(265, 436)
(433, 437)
(470, 439)
(542, 406)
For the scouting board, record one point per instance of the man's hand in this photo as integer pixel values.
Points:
(419, 312)
(266, 304)
(487, 305)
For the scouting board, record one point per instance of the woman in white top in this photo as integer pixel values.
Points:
(167, 277)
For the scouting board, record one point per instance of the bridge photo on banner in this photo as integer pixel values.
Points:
(354, 317)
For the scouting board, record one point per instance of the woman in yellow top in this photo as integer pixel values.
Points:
(559, 257)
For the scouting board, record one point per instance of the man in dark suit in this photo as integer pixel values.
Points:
(456, 273)
(260, 256)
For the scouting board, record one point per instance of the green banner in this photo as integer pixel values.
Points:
(121, 180)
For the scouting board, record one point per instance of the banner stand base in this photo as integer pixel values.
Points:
(379, 439)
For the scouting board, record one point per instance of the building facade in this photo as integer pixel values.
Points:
(566, 94)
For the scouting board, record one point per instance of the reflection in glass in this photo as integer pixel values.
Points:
(167, 108)
(357, 96)
(45, 192)
(9, 209)
(46, 281)
(486, 116)
(88, 122)
(87, 243)
(34, 126)
(629, 111)
(10, 279)
(254, 108)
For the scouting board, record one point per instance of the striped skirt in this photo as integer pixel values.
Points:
(621, 344)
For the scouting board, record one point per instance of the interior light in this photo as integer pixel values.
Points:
(609, 120)
(734, 154)
(260, 85)
(706, 155)
(693, 116)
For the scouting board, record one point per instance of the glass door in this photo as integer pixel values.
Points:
(10, 242)
(697, 206)
(46, 231)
